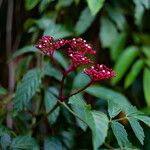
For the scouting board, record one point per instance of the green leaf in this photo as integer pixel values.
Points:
(146, 4)
(95, 5)
(57, 31)
(77, 84)
(51, 71)
(98, 123)
(27, 88)
(61, 59)
(135, 70)
(115, 13)
(24, 50)
(146, 85)
(118, 46)
(120, 133)
(24, 142)
(4, 130)
(30, 4)
(108, 94)
(5, 141)
(124, 62)
(62, 3)
(50, 102)
(146, 51)
(52, 143)
(144, 119)
(3, 91)
(131, 111)
(44, 4)
(78, 106)
(107, 29)
(113, 109)
(139, 11)
(68, 138)
(83, 23)
(138, 130)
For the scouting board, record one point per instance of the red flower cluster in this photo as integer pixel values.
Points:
(47, 45)
(80, 45)
(99, 72)
(78, 51)
(78, 58)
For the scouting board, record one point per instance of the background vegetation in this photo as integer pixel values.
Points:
(120, 32)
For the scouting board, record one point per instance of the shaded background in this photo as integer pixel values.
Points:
(119, 30)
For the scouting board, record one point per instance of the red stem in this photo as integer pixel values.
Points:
(70, 68)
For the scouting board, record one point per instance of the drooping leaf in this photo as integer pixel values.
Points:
(24, 142)
(118, 46)
(124, 62)
(138, 130)
(120, 133)
(113, 109)
(27, 88)
(78, 106)
(83, 23)
(135, 70)
(50, 102)
(100, 92)
(30, 4)
(24, 50)
(5, 141)
(95, 5)
(98, 123)
(146, 85)
(52, 143)
(107, 29)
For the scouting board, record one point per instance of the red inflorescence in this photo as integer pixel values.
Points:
(99, 72)
(47, 45)
(81, 46)
(78, 50)
(78, 58)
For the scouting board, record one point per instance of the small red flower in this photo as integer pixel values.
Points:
(99, 72)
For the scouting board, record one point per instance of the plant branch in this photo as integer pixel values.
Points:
(61, 87)
(11, 66)
(108, 146)
(70, 68)
(55, 106)
(82, 89)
